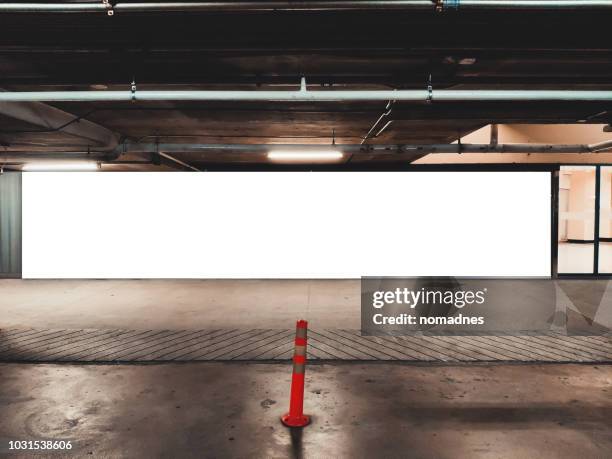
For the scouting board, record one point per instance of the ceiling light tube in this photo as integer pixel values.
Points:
(60, 167)
(304, 156)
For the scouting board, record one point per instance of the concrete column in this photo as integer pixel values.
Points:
(10, 224)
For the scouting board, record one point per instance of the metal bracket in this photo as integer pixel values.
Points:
(389, 107)
(133, 89)
(109, 7)
(429, 90)
(372, 133)
(494, 140)
(303, 84)
(156, 157)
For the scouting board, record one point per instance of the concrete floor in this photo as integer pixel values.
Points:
(179, 304)
(374, 410)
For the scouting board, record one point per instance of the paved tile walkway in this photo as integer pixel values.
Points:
(96, 345)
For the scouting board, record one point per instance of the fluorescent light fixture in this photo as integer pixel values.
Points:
(60, 166)
(305, 156)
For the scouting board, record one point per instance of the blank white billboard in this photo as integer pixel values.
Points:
(285, 224)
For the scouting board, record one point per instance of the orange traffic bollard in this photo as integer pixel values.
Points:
(296, 417)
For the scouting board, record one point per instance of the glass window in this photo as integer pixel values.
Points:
(576, 219)
(605, 220)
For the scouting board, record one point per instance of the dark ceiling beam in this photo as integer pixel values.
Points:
(385, 30)
(504, 113)
(50, 82)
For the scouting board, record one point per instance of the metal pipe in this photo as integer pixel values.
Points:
(459, 95)
(322, 5)
(601, 146)
(217, 6)
(24, 157)
(373, 148)
(163, 149)
(54, 7)
(526, 4)
(407, 95)
(223, 95)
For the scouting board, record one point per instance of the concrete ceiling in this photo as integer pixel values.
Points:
(353, 50)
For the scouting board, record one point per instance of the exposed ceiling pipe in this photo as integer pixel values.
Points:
(217, 6)
(8, 157)
(524, 4)
(54, 7)
(110, 7)
(601, 146)
(303, 95)
(373, 148)
(24, 157)
(60, 157)
(20, 158)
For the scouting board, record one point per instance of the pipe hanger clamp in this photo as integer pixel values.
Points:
(445, 5)
(110, 7)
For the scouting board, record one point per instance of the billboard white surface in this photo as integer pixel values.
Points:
(285, 224)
